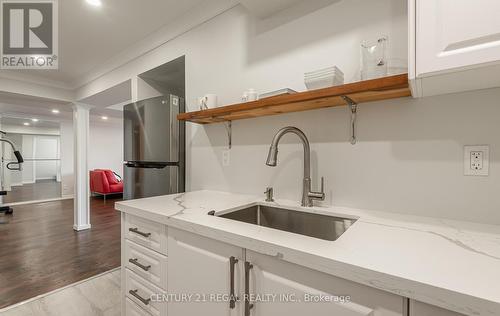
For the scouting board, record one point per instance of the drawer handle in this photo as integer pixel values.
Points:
(136, 262)
(232, 301)
(248, 304)
(144, 301)
(137, 231)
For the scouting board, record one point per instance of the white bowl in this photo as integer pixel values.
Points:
(323, 76)
(323, 83)
(324, 70)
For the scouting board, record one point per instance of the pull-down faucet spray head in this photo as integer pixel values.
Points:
(272, 156)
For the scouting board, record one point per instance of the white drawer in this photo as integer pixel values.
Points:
(148, 264)
(143, 293)
(132, 309)
(146, 233)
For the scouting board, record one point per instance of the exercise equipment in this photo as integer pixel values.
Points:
(14, 166)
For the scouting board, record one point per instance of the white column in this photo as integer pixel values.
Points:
(81, 143)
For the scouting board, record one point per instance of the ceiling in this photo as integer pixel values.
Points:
(20, 122)
(27, 107)
(266, 8)
(121, 93)
(91, 36)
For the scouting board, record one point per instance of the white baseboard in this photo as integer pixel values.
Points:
(16, 184)
(28, 182)
(39, 201)
(81, 227)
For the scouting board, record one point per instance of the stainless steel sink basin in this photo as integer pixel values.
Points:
(309, 224)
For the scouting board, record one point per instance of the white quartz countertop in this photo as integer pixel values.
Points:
(451, 264)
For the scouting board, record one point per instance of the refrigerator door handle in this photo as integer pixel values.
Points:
(149, 165)
(174, 127)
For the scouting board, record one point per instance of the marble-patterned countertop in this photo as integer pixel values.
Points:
(451, 264)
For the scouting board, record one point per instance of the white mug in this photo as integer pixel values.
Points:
(209, 101)
(249, 95)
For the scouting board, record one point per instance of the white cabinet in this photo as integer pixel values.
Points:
(144, 294)
(421, 309)
(132, 309)
(454, 45)
(146, 263)
(146, 233)
(281, 288)
(201, 273)
(212, 278)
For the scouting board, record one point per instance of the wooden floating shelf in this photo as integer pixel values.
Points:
(363, 91)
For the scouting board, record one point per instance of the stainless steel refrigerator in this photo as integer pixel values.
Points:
(154, 147)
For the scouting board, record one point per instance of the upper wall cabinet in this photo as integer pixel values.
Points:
(454, 45)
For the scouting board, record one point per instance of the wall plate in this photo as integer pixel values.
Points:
(477, 160)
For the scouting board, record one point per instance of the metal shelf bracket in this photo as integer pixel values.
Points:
(354, 111)
(229, 129)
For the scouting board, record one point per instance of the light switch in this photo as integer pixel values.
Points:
(476, 160)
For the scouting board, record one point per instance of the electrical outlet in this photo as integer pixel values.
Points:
(476, 160)
(226, 158)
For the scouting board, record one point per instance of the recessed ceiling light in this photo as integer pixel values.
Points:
(34, 120)
(55, 111)
(104, 117)
(95, 3)
(26, 124)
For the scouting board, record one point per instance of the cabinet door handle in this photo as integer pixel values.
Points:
(137, 231)
(248, 304)
(232, 301)
(135, 261)
(144, 301)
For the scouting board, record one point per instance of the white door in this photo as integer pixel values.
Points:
(199, 275)
(281, 288)
(453, 34)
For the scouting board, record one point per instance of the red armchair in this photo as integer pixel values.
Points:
(104, 182)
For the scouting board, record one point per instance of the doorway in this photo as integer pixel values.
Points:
(40, 176)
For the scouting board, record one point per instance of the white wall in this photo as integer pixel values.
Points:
(106, 147)
(409, 155)
(46, 147)
(67, 155)
(105, 151)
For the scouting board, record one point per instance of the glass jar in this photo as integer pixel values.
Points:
(374, 59)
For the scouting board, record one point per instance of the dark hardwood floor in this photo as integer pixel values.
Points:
(41, 190)
(40, 251)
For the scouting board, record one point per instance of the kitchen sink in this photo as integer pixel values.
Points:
(320, 226)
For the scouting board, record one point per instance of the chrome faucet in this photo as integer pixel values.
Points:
(272, 160)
